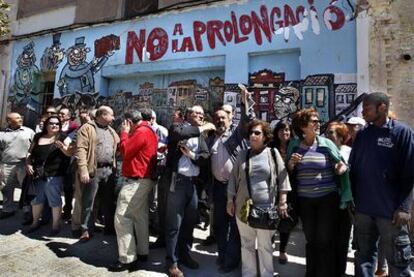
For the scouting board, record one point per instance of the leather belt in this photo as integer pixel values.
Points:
(100, 165)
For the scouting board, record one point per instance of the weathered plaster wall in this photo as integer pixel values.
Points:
(392, 52)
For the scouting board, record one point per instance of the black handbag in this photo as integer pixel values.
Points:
(260, 218)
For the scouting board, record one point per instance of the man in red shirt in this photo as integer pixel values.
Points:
(139, 153)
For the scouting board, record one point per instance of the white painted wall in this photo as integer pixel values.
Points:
(58, 18)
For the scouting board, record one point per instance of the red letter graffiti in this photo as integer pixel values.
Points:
(275, 12)
(157, 43)
(340, 18)
(262, 24)
(245, 25)
(199, 28)
(300, 10)
(178, 28)
(228, 31)
(237, 38)
(290, 19)
(213, 31)
(187, 45)
(133, 43)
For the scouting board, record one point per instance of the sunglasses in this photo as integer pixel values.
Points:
(256, 133)
(53, 124)
(316, 121)
(331, 132)
(49, 112)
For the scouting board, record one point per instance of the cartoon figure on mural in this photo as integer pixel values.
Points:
(286, 102)
(78, 74)
(52, 56)
(24, 79)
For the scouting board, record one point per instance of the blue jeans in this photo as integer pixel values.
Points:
(396, 242)
(226, 231)
(49, 189)
(181, 218)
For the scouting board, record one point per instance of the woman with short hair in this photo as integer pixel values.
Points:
(264, 177)
(322, 184)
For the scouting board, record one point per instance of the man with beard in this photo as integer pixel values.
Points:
(14, 145)
(224, 147)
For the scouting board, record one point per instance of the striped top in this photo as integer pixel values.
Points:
(315, 172)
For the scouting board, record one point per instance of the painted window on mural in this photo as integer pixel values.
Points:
(308, 96)
(320, 97)
(339, 99)
(263, 116)
(350, 98)
(264, 97)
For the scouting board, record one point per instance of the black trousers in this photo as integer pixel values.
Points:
(319, 218)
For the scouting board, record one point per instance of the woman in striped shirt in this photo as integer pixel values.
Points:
(314, 163)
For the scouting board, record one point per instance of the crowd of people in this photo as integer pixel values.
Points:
(352, 184)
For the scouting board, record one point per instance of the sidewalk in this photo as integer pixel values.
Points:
(40, 255)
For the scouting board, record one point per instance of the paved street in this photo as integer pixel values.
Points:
(40, 255)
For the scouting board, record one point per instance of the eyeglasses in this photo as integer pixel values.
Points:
(315, 121)
(256, 133)
(331, 132)
(53, 124)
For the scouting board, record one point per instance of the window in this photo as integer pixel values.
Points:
(340, 99)
(309, 96)
(350, 98)
(264, 99)
(320, 97)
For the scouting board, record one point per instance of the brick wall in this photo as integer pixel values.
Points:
(391, 60)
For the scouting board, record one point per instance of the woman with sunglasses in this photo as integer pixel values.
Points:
(47, 161)
(265, 179)
(322, 186)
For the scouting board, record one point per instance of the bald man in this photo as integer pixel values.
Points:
(96, 145)
(14, 143)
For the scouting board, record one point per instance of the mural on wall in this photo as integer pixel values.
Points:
(52, 55)
(26, 79)
(78, 74)
(268, 23)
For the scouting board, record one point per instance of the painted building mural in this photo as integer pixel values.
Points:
(290, 54)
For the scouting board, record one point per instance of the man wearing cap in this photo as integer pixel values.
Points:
(355, 124)
(382, 176)
(14, 143)
(139, 157)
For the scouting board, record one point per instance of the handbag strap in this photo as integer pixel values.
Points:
(247, 170)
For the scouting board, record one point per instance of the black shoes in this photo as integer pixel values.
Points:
(27, 219)
(4, 214)
(210, 240)
(118, 266)
(189, 262)
(142, 258)
(159, 243)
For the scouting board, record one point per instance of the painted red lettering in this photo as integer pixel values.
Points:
(245, 24)
(187, 45)
(339, 21)
(174, 45)
(228, 31)
(213, 31)
(178, 28)
(300, 11)
(237, 38)
(290, 19)
(261, 25)
(199, 28)
(134, 43)
(275, 13)
(157, 43)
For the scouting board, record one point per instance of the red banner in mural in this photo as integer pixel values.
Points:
(261, 25)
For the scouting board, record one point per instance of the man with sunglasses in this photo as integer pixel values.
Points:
(14, 144)
(187, 153)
